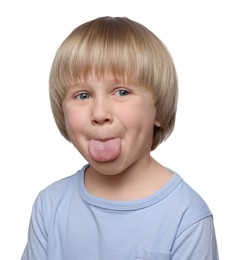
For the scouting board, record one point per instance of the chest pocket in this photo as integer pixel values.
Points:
(142, 254)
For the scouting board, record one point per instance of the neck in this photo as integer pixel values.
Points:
(135, 182)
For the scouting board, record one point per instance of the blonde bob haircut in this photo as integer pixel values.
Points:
(126, 50)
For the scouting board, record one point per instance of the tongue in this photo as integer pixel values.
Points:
(105, 150)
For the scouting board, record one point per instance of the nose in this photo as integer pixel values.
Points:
(101, 112)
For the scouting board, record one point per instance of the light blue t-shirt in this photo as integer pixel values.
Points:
(68, 223)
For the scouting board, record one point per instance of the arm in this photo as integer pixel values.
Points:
(197, 242)
(36, 248)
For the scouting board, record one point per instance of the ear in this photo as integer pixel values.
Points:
(157, 123)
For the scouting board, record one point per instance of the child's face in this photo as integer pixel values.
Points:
(110, 123)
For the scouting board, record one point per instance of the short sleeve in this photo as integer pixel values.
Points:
(36, 247)
(197, 242)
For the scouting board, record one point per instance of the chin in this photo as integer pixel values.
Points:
(109, 168)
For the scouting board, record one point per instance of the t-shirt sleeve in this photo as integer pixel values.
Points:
(197, 242)
(36, 247)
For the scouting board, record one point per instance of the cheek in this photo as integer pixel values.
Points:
(139, 119)
(73, 119)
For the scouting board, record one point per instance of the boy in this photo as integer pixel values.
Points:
(113, 91)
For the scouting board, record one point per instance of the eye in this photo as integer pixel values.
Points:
(82, 96)
(122, 92)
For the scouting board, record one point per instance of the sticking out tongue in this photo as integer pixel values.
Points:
(103, 151)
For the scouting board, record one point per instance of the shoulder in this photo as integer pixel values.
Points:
(58, 187)
(59, 191)
(188, 197)
(53, 196)
(193, 200)
(188, 204)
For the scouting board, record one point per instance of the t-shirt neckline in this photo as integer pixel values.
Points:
(126, 205)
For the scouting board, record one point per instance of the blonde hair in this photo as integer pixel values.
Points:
(124, 49)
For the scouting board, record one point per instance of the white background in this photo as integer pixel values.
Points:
(202, 38)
